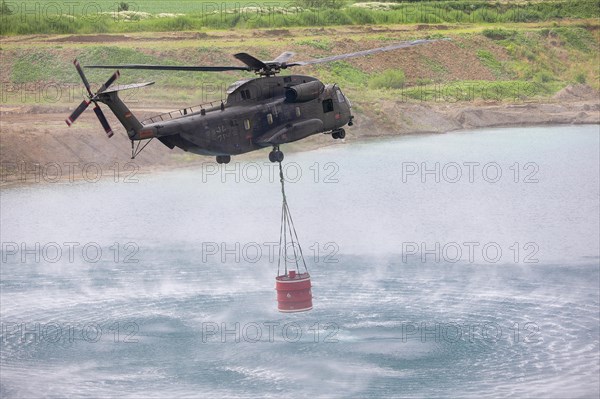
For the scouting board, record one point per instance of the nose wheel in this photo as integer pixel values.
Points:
(223, 159)
(276, 155)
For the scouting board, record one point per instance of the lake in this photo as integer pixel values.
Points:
(464, 264)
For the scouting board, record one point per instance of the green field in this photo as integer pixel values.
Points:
(90, 8)
(100, 16)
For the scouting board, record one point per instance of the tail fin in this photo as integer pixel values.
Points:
(111, 98)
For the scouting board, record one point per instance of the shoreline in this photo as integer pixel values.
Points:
(85, 155)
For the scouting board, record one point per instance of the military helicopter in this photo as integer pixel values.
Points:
(266, 111)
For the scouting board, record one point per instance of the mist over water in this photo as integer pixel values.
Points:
(463, 264)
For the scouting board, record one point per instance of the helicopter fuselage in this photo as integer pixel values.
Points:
(258, 113)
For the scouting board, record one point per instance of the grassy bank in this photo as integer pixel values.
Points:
(503, 62)
(103, 16)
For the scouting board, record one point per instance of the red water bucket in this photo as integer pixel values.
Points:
(293, 292)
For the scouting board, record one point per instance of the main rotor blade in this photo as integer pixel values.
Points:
(82, 75)
(172, 68)
(103, 121)
(78, 111)
(251, 61)
(110, 81)
(364, 52)
(284, 57)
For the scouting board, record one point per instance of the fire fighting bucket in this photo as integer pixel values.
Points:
(293, 292)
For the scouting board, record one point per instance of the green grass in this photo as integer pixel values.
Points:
(514, 90)
(389, 79)
(44, 66)
(320, 44)
(488, 59)
(476, 11)
(343, 73)
(91, 8)
(38, 66)
(564, 53)
(577, 38)
(435, 66)
(50, 17)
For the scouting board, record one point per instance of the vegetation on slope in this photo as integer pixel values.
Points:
(108, 16)
(494, 54)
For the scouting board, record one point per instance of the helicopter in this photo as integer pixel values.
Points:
(266, 111)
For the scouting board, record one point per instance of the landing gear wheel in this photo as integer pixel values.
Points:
(338, 134)
(276, 156)
(223, 159)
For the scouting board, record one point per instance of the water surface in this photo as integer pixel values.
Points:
(464, 264)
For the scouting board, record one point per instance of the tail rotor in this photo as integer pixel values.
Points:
(92, 98)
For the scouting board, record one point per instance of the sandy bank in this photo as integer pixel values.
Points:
(31, 135)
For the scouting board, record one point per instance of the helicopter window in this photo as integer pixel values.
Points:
(340, 96)
(245, 94)
(287, 79)
(327, 105)
(298, 112)
(270, 119)
(247, 124)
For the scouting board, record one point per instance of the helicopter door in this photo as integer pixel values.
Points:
(330, 110)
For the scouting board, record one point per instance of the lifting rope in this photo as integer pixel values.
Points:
(288, 235)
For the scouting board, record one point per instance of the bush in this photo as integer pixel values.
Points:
(543, 77)
(334, 4)
(180, 23)
(389, 79)
(5, 9)
(123, 6)
(580, 78)
(334, 17)
(499, 33)
(484, 15)
(423, 81)
(361, 17)
(321, 44)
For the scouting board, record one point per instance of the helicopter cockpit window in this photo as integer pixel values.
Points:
(327, 105)
(340, 96)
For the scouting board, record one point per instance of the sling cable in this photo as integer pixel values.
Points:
(293, 286)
